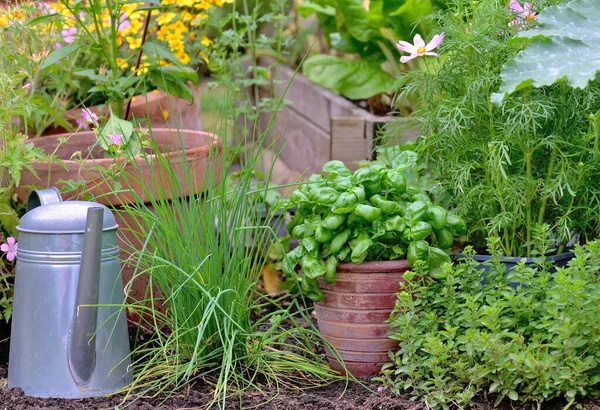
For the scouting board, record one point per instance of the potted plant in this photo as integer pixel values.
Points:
(359, 232)
(517, 163)
(104, 57)
(97, 162)
(340, 96)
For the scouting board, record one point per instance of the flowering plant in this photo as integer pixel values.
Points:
(528, 161)
(364, 33)
(99, 58)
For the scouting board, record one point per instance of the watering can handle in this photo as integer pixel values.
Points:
(41, 197)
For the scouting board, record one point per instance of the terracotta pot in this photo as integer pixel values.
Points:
(353, 313)
(196, 145)
(153, 105)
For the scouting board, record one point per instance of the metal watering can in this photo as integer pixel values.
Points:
(69, 334)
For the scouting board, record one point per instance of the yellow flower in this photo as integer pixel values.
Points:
(203, 56)
(183, 57)
(165, 114)
(133, 98)
(3, 20)
(205, 41)
(155, 91)
(192, 36)
(134, 42)
(165, 18)
(122, 63)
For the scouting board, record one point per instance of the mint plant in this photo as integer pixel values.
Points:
(460, 336)
(379, 212)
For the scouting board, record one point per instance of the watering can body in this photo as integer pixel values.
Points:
(69, 334)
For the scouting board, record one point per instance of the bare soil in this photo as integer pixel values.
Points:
(336, 396)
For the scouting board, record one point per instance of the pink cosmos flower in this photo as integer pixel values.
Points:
(10, 247)
(419, 48)
(123, 22)
(87, 117)
(47, 8)
(57, 46)
(116, 138)
(69, 35)
(524, 14)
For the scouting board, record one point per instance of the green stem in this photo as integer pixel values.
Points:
(540, 219)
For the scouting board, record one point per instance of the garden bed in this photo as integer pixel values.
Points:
(196, 396)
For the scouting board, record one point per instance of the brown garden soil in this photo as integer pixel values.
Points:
(336, 396)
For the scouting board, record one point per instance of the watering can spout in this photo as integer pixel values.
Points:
(82, 345)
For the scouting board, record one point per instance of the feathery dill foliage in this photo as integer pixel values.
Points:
(532, 160)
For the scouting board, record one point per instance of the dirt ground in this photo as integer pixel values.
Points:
(197, 396)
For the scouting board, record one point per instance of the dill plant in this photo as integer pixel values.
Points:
(530, 161)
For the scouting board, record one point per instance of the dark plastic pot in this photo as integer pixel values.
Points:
(558, 261)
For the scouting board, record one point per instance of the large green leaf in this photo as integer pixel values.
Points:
(564, 46)
(167, 82)
(356, 20)
(307, 8)
(59, 54)
(355, 79)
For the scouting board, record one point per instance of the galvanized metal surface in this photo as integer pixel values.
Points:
(51, 356)
(353, 313)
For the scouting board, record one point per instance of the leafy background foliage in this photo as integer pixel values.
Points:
(565, 45)
(367, 34)
(460, 336)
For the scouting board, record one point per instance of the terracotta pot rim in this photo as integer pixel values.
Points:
(394, 266)
(213, 139)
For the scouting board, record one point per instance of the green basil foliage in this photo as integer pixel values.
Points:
(380, 212)
(460, 336)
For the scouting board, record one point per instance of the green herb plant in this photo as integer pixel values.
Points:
(200, 269)
(461, 337)
(513, 166)
(372, 214)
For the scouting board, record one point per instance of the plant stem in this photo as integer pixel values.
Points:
(139, 59)
(545, 199)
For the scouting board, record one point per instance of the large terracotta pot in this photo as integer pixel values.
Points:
(171, 143)
(162, 109)
(353, 313)
(196, 147)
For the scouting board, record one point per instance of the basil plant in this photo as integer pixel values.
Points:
(373, 214)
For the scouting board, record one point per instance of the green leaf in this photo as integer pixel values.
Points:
(91, 74)
(360, 247)
(115, 125)
(158, 51)
(356, 19)
(59, 54)
(8, 219)
(170, 84)
(355, 79)
(513, 395)
(306, 8)
(564, 46)
(184, 73)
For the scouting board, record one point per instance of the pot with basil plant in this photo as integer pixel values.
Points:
(516, 162)
(359, 235)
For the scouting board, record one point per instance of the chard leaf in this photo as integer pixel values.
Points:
(354, 79)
